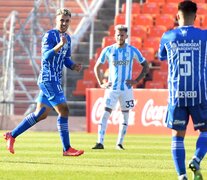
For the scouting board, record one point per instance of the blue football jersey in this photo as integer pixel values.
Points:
(120, 62)
(51, 62)
(185, 49)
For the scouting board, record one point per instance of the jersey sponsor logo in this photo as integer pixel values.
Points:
(116, 114)
(199, 124)
(192, 46)
(120, 63)
(153, 114)
(179, 122)
(186, 94)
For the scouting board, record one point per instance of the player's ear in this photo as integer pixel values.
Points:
(177, 16)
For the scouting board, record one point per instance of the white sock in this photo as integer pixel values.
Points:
(102, 126)
(123, 128)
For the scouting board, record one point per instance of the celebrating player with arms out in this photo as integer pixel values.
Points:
(56, 52)
(120, 58)
(185, 49)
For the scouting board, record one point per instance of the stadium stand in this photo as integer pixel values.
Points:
(149, 21)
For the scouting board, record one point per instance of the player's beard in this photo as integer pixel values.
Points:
(121, 43)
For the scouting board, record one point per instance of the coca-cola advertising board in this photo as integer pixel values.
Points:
(147, 117)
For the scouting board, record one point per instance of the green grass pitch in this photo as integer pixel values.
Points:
(38, 156)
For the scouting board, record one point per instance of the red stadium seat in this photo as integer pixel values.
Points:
(92, 62)
(199, 20)
(163, 66)
(135, 9)
(88, 74)
(143, 19)
(148, 53)
(108, 40)
(111, 30)
(119, 19)
(202, 8)
(157, 31)
(204, 22)
(136, 42)
(139, 31)
(166, 20)
(152, 42)
(170, 8)
(150, 8)
(173, 1)
(154, 85)
(159, 75)
(157, 1)
(81, 86)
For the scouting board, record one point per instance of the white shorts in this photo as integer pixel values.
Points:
(125, 98)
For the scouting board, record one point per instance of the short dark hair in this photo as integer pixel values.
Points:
(187, 7)
(121, 27)
(63, 11)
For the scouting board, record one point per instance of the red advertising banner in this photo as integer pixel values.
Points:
(147, 117)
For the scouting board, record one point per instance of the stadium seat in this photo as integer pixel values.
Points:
(204, 22)
(159, 75)
(119, 19)
(170, 8)
(157, 1)
(166, 20)
(143, 19)
(108, 40)
(163, 66)
(157, 31)
(152, 42)
(81, 86)
(173, 1)
(150, 8)
(135, 9)
(148, 53)
(88, 74)
(154, 85)
(111, 30)
(136, 42)
(199, 20)
(92, 62)
(98, 52)
(202, 8)
(139, 31)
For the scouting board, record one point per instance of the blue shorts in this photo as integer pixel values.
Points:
(178, 117)
(51, 94)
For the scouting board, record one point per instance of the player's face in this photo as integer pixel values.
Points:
(120, 37)
(62, 23)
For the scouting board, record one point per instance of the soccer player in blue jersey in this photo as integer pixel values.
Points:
(56, 53)
(120, 57)
(185, 49)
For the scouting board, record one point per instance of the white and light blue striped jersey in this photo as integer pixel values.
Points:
(185, 49)
(51, 62)
(120, 61)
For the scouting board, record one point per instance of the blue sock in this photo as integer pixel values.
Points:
(62, 125)
(178, 153)
(201, 146)
(26, 123)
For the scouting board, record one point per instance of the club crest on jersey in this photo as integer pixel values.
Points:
(184, 32)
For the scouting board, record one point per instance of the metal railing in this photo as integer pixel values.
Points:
(29, 46)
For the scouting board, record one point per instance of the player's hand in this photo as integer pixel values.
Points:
(63, 40)
(77, 67)
(131, 82)
(106, 85)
